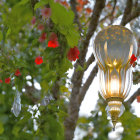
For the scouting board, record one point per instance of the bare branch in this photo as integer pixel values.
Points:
(55, 90)
(99, 5)
(76, 19)
(88, 82)
(128, 14)
(78, 75)
(70, 122)
(33, 2)
(132, 16)
(90, 61)
(110, 14)
(127, 11)
(133, 97)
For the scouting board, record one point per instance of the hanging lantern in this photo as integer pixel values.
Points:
(114, 48)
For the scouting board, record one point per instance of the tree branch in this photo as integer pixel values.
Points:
(127, 11)
(99, 5)
(33, 2)
(76, 19)
(88, 82)
(132, 16)
(128, 15)
(55, 90)
(90, 61)
(136, 4)
(133, 97)
(110, 14)
(70, 122)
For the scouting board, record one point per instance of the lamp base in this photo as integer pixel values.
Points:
(114, 110)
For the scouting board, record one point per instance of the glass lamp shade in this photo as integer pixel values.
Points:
(113, 48)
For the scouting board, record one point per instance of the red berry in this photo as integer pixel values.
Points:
(7, 80)
(38, 60)
(73, 54)
(53, 41)
(53, 44)
(17, 73)
(133, 59)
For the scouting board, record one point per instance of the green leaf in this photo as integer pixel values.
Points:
(1, 36)
(63, 89)
(44, 86)
(16, 130)
(83, 120)
(8, 32)
(55, 129)
(23, 2)
(72, 37)
(64, 19)
(1, 128)
(2, 99)
(40, 4)
(60, 15)
(71, 34)
(4, 118)
(79, 68)
(63, 29)
(19, 16)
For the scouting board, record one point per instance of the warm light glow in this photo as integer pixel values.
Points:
(115, 62)
(131, 50)
(113, 48)
(114, 85)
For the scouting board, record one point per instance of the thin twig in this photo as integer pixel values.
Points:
(76, 19)
(90, 61)
(33, 2)
(98, 7)
(133, 97)
(110, 14)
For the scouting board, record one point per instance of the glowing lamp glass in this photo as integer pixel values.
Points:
(113, 48)
(114, 85)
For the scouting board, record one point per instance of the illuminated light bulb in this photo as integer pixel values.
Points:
(113, 48)
(114, 85)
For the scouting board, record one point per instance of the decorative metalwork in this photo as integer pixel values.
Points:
(113, 48)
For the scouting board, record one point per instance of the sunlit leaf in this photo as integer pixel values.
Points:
(1, 128)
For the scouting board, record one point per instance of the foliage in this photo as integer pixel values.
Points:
(20, 50)
(97, 127)
(27, 58)
(97, 123)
